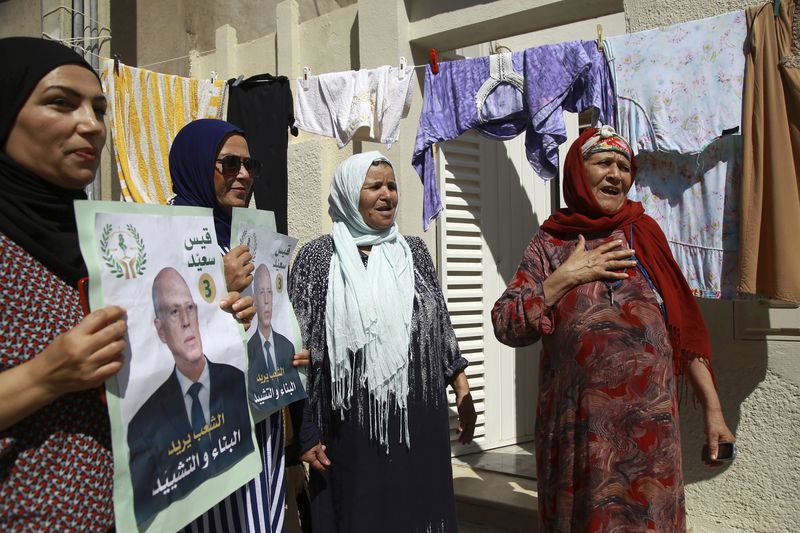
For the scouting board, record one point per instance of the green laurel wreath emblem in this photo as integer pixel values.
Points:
(141, 257)
(110, 262)
(115, 268)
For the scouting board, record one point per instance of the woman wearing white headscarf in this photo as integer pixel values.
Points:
(383, 351)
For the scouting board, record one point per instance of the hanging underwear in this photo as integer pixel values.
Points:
(501, 96)
(340, 104)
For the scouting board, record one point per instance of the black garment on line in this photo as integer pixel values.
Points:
(263, 107)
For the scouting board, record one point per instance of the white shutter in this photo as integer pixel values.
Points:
(462, 265)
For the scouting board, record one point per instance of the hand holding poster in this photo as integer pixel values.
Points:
(272, 380)
(181, 427)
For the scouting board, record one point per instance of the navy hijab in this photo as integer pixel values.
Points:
(192, 159)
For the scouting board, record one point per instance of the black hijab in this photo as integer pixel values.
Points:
(34, 213)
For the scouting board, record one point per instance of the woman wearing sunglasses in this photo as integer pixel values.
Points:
(210, 166)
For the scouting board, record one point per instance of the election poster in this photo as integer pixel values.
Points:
(274, 335)
(181, 426)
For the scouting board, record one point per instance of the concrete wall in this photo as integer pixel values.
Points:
(167, 31)
(645, 14)
(20, 18)
(759, 385)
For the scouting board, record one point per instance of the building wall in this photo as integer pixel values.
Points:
(645, 14)
(173, 29)
(20, 18)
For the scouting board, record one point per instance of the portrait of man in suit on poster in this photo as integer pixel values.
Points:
(196, 424)
(272, 379)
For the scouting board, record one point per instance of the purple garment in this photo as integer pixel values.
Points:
(561, 77)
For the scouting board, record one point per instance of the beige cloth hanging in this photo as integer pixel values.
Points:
(770, 189)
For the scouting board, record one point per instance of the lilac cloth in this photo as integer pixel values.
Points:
(571, 76)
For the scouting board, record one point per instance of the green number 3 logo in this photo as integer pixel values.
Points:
(208, 289)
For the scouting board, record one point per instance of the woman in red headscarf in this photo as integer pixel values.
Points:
(619, 328)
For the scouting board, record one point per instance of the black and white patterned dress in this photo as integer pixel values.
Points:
(369, 488)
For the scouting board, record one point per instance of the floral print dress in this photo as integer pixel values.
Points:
(608, 453)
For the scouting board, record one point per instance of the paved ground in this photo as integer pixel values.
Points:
(516, 460)
(485, 476)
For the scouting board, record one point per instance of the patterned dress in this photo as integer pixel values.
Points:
(369, 488)
(56, 471)
(608, 453)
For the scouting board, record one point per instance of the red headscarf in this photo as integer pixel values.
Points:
(685, 324)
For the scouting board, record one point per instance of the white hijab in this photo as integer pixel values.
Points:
(368, 309)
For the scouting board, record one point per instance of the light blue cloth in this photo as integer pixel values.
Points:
(695, 200)
(679, 88)
(368, 309)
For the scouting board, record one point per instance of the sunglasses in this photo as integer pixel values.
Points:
(232, 163)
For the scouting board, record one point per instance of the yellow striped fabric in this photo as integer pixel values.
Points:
(146, 110)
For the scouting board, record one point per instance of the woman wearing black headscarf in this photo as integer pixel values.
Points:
(56, 470)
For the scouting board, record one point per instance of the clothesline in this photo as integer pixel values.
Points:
(176, 58)
(208, 52)
(705, 256)
(71, 44)
(80, 39)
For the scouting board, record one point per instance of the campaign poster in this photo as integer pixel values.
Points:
(182, 430)
(274, 335)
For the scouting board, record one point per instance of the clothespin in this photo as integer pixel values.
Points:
(776, 6)
(117, 59)
(600, 37)
(213, 76)
(434, 61)
(238, 80)
(402, 72)
(306, 74)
